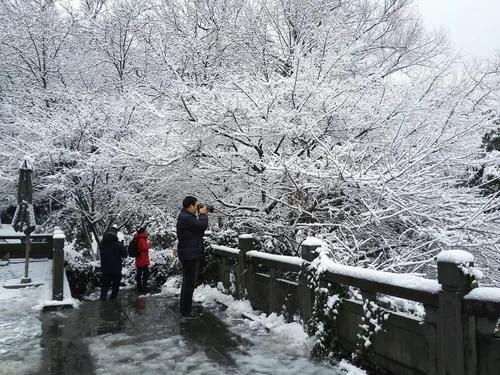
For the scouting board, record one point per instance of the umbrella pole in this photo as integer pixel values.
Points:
(27, 242)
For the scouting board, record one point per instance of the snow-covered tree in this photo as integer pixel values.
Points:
(345, 120)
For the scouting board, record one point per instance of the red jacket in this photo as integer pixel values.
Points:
(143, 246)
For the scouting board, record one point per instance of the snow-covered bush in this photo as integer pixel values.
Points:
(163, 265)
(323, 323)
(162, 232)
(84, 274)
(371, 324)
(208, 271)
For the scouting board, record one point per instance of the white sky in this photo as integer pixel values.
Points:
(473, 25)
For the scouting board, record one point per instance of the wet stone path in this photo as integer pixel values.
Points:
(138, 335)
(134, 333)
(145, 335)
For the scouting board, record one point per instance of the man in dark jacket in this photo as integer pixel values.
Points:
(112, 252)
(191, 225)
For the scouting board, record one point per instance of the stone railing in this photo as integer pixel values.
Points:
(456, 336)
(49, 246)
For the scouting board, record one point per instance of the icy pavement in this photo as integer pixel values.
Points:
(20, 328)
(136, 335)
(144, 335)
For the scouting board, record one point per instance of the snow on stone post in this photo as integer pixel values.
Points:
(245, 244)
(58, 264)
(308, 252)
(308, 248)
(454, 285)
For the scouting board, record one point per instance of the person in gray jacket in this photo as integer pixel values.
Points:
(191, 225)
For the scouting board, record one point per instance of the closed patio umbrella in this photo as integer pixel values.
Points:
(24, 217)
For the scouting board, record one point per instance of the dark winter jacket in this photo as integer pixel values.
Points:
(143, 246)
(190, 230)
(112, 252)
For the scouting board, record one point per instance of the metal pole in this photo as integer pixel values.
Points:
(27, 242)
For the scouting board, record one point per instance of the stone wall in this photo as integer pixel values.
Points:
(456, 336)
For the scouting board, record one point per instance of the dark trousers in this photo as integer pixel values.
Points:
(107, 280)
(141, 278)
(190, 270)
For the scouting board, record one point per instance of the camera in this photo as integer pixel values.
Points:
(209, 207)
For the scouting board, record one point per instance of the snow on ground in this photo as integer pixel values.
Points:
(176, 355)
(278, 347)
(172, 286)
(290, 337)
(19, 324)
(268, 345)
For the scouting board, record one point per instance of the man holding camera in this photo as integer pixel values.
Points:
(191, 225)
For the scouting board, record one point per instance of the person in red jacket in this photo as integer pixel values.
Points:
(142, 260)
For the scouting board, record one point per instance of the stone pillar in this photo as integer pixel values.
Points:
(308, 248)
(250, 283)
(306, 294)
(58, 264)
(224, 270)
(308, 253)
(272, 305)
(245, 244)
(450, 323)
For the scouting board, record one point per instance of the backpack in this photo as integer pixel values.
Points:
(133, 248)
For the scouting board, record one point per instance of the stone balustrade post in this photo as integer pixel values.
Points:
(450, 322)
(58, 239)
(306, 294)
(223, 271)
(309, 247)
(245, 244)
(307, 252)
(271, 295)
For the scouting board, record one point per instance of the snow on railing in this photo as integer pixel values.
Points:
(484, 294)
(483, 301)
(225, 249)
(291, 260)
(381, 277)
(449, 300)
(405, 286)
